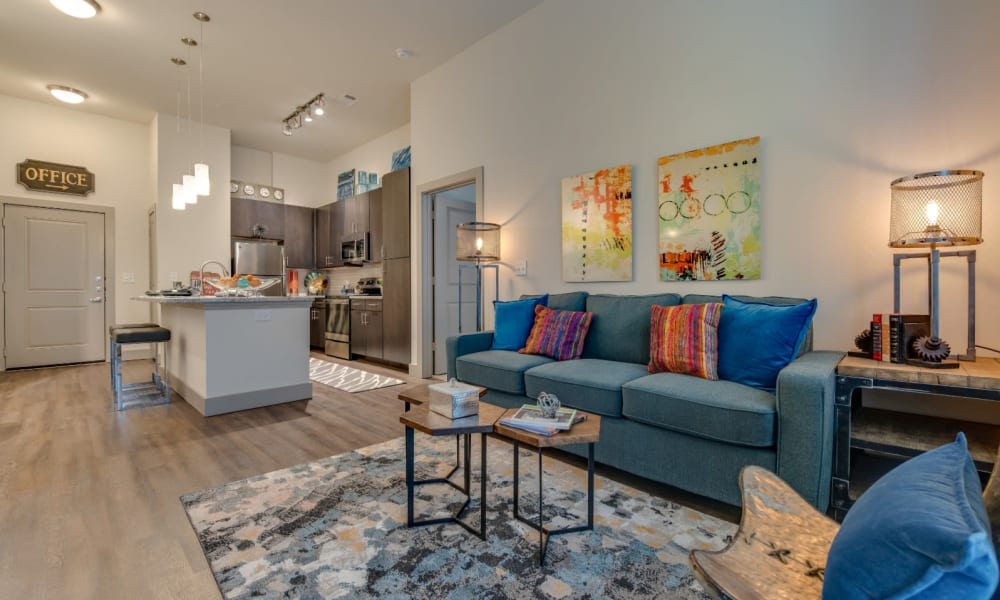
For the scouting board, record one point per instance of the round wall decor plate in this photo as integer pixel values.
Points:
(264, 192)
(249, 189)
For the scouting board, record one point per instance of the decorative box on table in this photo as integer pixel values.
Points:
(453, 399)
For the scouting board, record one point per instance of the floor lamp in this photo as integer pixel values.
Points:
(941, 208)
(477, 243)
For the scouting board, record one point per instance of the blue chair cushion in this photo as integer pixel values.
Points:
(717, 410)
(758, 339)
(501, 370)
(920, 532)
(513, 321)
(588, 384)
(620, 328)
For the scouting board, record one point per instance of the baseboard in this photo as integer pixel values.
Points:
(244, 401)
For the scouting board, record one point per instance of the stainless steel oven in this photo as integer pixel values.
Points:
(338, 327)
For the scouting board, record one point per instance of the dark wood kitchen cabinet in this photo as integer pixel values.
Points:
(396, 310)
(300, 237)
(324, 243)
(375, 225)
(366, 327)
(396, 213)
(245, 214)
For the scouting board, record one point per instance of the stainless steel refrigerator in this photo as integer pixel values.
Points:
(263, 258)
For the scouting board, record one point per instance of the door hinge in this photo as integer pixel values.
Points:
(434, 346)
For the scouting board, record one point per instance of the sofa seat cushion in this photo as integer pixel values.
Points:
(589, 384)
(501, 370)
(716, 410)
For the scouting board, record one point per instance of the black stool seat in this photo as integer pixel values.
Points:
(113, 328)
(140, 335)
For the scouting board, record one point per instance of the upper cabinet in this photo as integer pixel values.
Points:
(324, 239)
(375, 225)
(247, 217)
(396, 214)
(300, 240)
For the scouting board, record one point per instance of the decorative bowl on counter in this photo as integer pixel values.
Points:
(251, 286)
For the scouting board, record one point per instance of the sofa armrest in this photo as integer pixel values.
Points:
(805, 405)
(466, 343)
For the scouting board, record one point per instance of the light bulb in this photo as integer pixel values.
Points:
(479, 245)
(318, 109)
(190, 190)
(933, 211)
(202, 183)
(307, 117)
(178, 199)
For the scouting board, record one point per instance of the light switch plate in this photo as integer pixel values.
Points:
(521, 268)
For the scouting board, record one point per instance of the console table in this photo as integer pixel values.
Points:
(904, 434)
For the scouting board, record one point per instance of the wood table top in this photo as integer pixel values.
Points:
(419, 394)
(585, 432)
(982, 373)
(431, 423)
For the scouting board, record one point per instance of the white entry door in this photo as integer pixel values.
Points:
(448, 213)
(54, 286)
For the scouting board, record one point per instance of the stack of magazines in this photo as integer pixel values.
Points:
(529, 418)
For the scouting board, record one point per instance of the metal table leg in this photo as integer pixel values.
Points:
(411, 484)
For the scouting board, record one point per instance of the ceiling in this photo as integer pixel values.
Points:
(262, 58)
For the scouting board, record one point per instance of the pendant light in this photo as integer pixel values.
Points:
(179, 198)
(202, 182)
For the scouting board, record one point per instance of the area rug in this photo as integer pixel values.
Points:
(336, 528)
(347, 378)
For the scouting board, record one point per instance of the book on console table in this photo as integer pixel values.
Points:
(529, 418)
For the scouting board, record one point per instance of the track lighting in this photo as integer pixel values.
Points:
(315, 107)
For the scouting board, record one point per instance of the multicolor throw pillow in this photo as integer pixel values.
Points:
(557, 333)
(685, 339)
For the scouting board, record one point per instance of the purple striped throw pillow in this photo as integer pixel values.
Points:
(557, 333)
(685, 339)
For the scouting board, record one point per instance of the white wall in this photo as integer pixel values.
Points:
(187, 238)
(375, 156)
(304, 181)
(846, 96)
(117, 152)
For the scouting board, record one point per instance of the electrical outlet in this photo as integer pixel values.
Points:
(262, 315)
(521, 268)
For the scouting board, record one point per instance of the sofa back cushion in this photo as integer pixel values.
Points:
(565, 301)
(620, 329)
(807, 343)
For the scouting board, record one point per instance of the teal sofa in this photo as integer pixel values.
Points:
(681, 430)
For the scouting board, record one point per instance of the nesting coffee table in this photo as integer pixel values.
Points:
(487, 421)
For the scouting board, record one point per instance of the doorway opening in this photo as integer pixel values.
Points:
(444, 204)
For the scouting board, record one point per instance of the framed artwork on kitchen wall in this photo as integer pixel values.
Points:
(708, 205)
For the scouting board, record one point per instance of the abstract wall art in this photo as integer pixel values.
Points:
(708, 209)
(597, 225)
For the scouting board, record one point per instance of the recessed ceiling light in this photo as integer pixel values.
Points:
(189, 41)
(81, 9)
(67, 94)
(404, 53)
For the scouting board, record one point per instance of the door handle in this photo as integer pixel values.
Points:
(97, 299)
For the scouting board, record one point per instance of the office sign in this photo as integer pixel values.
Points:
(54, 177)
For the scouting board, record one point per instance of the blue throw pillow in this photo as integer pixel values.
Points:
(757, 339)
(920, 532)
(513, 321)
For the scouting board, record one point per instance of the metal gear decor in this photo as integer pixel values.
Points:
(863, 341)
(931, 349)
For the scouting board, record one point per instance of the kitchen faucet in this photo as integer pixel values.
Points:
(225, 272)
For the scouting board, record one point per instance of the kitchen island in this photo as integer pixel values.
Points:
(229, 354)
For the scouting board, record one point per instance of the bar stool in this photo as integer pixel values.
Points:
(145, 393)
(111, 342)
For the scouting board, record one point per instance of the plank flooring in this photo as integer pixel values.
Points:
(89, 502)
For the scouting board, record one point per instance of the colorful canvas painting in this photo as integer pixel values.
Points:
(597, 225)
(709, 213)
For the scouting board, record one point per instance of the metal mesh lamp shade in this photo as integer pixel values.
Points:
(941, 208)
(479, 242)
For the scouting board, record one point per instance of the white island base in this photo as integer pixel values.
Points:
(231, 354)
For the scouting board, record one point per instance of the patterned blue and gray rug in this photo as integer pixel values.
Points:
(336, 528)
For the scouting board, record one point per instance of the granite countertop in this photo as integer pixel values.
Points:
(223, 299)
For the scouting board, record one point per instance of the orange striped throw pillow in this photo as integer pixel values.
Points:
(685, 339)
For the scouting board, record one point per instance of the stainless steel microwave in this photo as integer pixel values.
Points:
(356, 252)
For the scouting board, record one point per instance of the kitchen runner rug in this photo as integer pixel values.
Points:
(336, 528)
(347, 378)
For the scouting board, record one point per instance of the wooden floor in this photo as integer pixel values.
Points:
(89, 497)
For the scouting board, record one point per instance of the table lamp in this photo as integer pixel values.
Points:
(477, 243)
(941, 208)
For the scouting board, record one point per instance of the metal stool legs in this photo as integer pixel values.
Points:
(145, 393)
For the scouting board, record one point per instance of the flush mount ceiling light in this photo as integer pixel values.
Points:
(81, 9)
(403, 53)
(67, 94)
(315, 107)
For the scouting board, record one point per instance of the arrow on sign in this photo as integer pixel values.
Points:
(57, 187)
